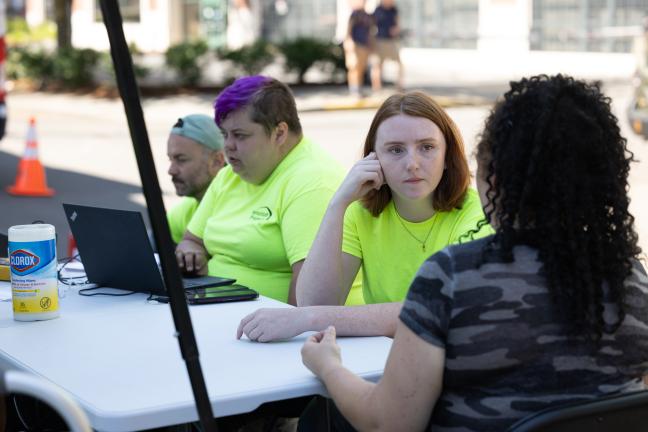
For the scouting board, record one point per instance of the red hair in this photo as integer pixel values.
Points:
(451, 191)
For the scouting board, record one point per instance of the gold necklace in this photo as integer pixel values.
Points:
(427, 236)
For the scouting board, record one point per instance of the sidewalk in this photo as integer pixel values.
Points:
(471, 77)
(337, 98)
(452, 77)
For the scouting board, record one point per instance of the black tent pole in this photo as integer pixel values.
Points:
(130, 96)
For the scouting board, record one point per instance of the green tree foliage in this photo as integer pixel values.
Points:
(106, 68)
(20, 34)
(251, 58)
(67, 67)
(185, 58)
(73, 67)
(304, 52)
(25, 63)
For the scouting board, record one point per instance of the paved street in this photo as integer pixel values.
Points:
(85, 145)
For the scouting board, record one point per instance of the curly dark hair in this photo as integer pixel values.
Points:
(557, 169)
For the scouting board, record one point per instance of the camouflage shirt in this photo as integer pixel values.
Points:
(507, 353)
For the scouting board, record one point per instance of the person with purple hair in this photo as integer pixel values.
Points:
(260, 215)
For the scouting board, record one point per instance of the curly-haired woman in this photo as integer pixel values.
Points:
(552, 308)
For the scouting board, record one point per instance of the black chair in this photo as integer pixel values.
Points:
(627, 412)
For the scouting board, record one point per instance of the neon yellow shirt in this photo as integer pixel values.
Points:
(254, 233)
(355, 296)
(391, 256)
(179, 217)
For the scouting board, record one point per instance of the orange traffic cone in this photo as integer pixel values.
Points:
(30, 179)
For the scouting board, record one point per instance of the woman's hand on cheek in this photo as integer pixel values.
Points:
(366, 175)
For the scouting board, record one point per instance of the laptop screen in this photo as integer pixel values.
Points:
(115, 248)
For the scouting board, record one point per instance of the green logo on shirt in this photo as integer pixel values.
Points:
(263, 213)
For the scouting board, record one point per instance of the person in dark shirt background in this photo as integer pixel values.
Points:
(358, 44)
(388, 32)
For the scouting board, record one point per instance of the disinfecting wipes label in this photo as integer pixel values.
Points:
(34, 282)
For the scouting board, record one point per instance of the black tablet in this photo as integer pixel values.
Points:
(216, 294)
(221, 294)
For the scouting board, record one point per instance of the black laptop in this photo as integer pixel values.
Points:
(116, 252)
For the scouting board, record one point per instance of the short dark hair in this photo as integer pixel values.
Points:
(270, 101)
(451, 191)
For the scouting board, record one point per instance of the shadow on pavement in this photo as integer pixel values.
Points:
(70, 187)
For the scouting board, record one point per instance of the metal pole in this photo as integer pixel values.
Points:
(130, 97)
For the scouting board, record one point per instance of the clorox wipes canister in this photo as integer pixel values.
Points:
(34, 283)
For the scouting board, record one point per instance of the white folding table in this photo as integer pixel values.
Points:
(118, 357)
